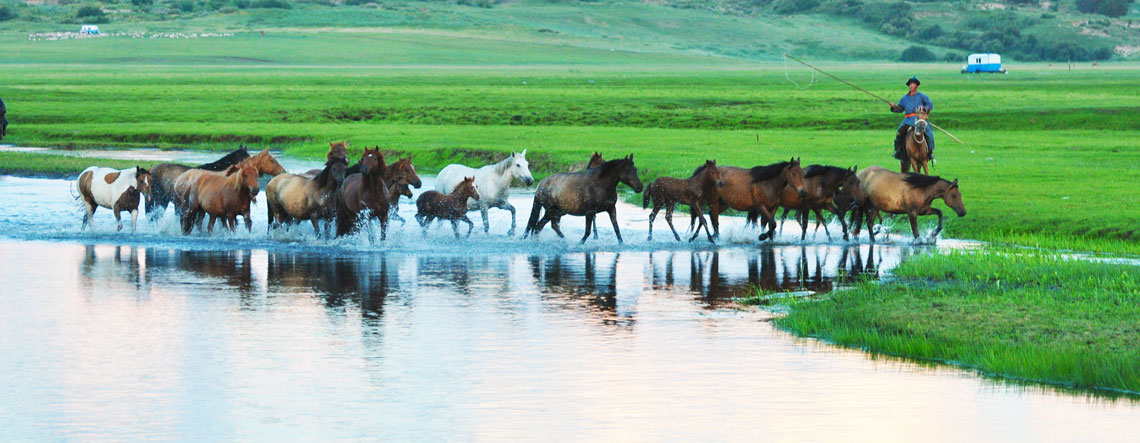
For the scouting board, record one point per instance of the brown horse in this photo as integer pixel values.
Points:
(917, 149)
(434, 205)
(335, 149)
(292, 197)
(595, 160)
(361, 191)
(910, 194)
(222, 196)
(757, 191)
(695, 191)
(263, 162)
(163, 176)
(395, 191)
(582, 193)
(821, 183)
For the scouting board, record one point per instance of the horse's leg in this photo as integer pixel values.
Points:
(589, 224)
(455, 227)
(134, 219)
(819, 219)
(669, 220)
(913, 224)
(470, 225)
(508, 206)
(870, 215)
(613, 221)
(784, 218)
(248, 221)
(384, 225)
(211, 227)
(767, 220)
(486, 224)
(939, 214)
(316, 225)
(425, 224)
(652, 216)
(554, 220)
(89, 213)
(714, 216)
(905, 163)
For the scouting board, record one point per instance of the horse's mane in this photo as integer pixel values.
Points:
(504, 164)
(814, 170)
(919, 181)
(612, 167)
(221, 164)
(698, 171)
(762, 173)
(354, 169)
(325, 176)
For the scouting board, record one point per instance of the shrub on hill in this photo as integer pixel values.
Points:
(917, 54)
(6, 13)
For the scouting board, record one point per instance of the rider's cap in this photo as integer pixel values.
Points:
(913, 80)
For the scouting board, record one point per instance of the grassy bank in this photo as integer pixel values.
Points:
(58, 166)
(1025, 315)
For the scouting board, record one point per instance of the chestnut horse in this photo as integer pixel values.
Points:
(361, 191)
(223, 196)
(910, 194)
(756, 190)
(582, 193)
(821, 183)
(113, 189)
(434, 205)
(163, 175)
(263, 162)
(292, 197)
(694, 191)
(917, 149)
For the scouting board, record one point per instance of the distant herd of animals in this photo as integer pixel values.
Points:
(369, 190)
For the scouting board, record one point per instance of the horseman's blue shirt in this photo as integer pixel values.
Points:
(910, 103)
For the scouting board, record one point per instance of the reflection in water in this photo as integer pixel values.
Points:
(158, 343)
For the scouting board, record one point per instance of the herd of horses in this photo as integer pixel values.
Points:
(370, 190)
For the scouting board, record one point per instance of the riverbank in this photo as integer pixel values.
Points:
(1025, 315)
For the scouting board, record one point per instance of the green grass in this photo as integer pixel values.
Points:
(59, 166)
(1026, 315)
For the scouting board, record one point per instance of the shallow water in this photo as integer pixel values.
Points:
(282, 335)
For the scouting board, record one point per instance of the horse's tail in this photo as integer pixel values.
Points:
(532, 221)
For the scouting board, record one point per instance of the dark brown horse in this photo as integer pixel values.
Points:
(595, 161)
(163, 176)
(434, 205)
(910, 194)
(584, 193)
(361, 191)
(395, 191)
(820, 186)
(756, 190)
(917, 149)
(223, 196)
(695, 191)
(292, 197)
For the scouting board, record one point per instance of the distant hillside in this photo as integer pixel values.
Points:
(1024, 30)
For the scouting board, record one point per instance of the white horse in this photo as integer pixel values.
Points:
(493, 182)
(113, 189)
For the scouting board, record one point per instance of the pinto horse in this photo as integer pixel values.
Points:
(113, 189)
(222, 196)
(694, 191)
(361, 191)
(917, 149)
(583, 193)
(910, 194)
(163, 175)
(292, 197)
(434, 205)
(821, 183)
(493, 181)
(756, 190)
(262, 162)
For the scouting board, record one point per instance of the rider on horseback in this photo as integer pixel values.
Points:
(909, 103)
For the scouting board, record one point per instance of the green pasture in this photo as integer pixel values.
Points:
(1028, 315)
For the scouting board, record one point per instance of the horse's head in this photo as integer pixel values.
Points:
(372, 162)
(711, 174)
(794, 175)
(265, 163)
(629, 176)
(920, 120)
(953, 199)
(142, 180)
(403, 171)
(246, 176)
(399, 189)
(595, 160)
(520, 168)
(851, 186)
(467, 189)
(336, 161)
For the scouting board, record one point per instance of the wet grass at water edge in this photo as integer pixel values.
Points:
(1026, 315)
